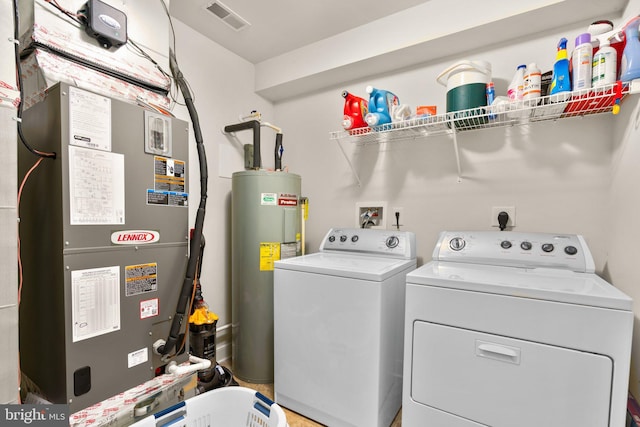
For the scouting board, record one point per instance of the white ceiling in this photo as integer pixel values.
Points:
(328, 42)
(279, 26)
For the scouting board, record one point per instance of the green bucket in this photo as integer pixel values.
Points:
(466, 83)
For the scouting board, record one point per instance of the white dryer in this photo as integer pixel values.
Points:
(339, 327)
(507, 329)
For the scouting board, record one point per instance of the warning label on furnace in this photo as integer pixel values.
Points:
(169, 174)
(167, 198)
(269, 253)
(141, 278)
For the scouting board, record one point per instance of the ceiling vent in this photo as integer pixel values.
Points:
(228, 16)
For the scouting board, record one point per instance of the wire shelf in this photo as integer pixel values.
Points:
(568, 104)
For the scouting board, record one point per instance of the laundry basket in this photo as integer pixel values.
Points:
(222, 407)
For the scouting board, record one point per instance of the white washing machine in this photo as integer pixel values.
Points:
(339, 327)
(509, 329)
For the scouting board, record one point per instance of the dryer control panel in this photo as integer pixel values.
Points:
(397, 244)
(513, 249)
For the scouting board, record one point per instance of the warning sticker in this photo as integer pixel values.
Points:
(269, 253)
(141, 278)
(167, 198)
(149, 308)
(169, 174)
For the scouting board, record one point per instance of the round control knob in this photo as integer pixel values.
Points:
(526, 246)
(457, 243)
(570, 250)
(392, 242)
(354, 238)
(332, 239)
(343, 238)
(547, 247)
(505, 244)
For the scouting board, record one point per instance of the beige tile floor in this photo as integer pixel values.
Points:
(294, 419)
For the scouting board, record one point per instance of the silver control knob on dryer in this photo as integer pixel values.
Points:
(457, 243)
(392, 242)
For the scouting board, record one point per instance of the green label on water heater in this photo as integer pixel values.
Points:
(270, 199)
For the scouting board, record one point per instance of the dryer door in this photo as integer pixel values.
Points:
(504, 382)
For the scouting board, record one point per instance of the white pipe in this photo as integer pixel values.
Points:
(269, 125)
(197, 365)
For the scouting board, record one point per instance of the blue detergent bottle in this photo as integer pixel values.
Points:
(561, 81)
(630, 65)
(381, 103)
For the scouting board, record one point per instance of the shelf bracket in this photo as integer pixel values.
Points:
(355, 174)
(455, 149)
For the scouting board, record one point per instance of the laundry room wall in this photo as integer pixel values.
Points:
(222, 86)
(555, 173)
(624, 212)
(575, 175)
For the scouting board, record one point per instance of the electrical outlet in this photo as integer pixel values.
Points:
(393, 220)
(510, 210)
(371, 214)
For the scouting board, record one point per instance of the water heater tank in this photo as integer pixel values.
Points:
(265, 227)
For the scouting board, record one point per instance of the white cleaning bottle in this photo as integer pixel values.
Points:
(515, 89)
(582, 61)
(532, 83)
(604, 65)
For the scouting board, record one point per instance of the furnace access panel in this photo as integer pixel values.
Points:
(104, 235)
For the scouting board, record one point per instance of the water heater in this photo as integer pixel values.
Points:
(266, 224)
(104, 234)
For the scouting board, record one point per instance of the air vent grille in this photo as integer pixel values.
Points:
(228, 16)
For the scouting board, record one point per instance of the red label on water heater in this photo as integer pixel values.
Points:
(288, 200)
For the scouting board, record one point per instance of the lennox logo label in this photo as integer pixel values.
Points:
(134, 237)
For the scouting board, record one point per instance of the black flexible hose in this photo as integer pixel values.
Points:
(197, 239)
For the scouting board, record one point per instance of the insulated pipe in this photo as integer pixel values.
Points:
(278, 152)
(251, 124)
(196, 241)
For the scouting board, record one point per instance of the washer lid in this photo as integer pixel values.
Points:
(350, 266)
(537, 283)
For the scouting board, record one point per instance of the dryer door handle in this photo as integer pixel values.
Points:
(499, 352)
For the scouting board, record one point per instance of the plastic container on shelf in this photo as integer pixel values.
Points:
(532, 84)
(630, 65)
(354, 112)
(582, 61)
(381, 103)
(515, 89)
(560, 88)
(604, 70)
(466, 83)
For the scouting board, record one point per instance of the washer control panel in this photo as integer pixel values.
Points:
(506, 248)
(399, 244)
